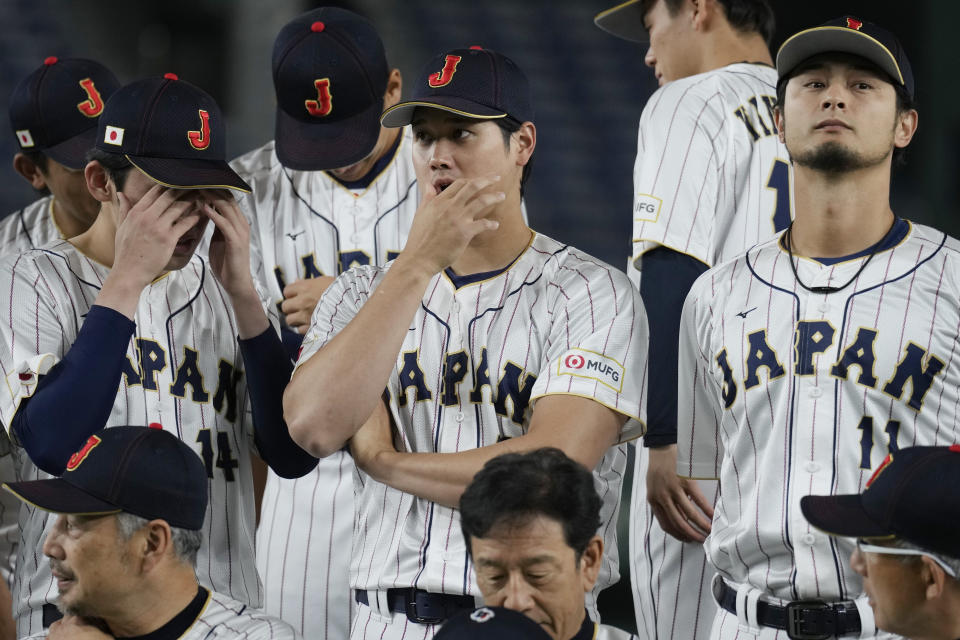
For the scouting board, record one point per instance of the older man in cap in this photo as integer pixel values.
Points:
(131, 505)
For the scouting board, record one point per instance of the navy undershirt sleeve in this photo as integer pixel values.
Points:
(268, 370)
(74, 399)
(666, 279)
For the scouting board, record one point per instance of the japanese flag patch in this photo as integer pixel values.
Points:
(25, 139)
(113, 135)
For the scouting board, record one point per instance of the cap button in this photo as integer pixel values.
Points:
(50, 60)
(476, 47)
(171, 76)
(317, 27)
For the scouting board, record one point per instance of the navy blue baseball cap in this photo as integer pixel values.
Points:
(492, 623)
(172, 131)
(473, 83)
(851, 35)
(55, 108)
(147, 472)
(624, 20)
(912, 496)
(330, 74)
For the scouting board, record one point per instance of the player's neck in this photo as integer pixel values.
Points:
(155, 603)
(839, 216)
(726, 49)
(67, 223)
(496, 249)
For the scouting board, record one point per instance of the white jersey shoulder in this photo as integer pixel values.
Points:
(307, 224)
(182, 372)
(224, 617)
(478, 355)
(606, 632)
(711, 177)
(29, 228)
(795, 392)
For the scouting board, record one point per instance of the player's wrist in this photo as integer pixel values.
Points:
(414, 269)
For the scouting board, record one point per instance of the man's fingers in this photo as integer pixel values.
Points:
(184, 224)
(695, 494)
(673, 522)
(691, 513)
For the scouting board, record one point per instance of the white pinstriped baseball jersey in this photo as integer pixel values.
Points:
(794, 393)
(184, 372)
(475, 360)
(224, 617)
(29, 228)
(306, 224)
(711, 179)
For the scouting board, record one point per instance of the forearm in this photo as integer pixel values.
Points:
(74, 399)
(268, 370)
(333, 393)
(252, 320)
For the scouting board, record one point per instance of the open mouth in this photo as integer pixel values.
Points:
(442, 184)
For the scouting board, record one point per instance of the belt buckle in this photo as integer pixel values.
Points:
(413, 615)
(800, 629)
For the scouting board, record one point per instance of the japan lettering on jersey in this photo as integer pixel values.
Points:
(711, 177)
(794, 393)
(306, 224)
(183, 373)
(29, 228)
(473, 364)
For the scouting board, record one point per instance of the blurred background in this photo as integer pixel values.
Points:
(589, 89)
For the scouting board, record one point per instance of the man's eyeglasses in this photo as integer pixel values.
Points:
(865, 546)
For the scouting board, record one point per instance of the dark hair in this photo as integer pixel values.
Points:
(905, 102)
(39, 158)
(115, 164)
(515, 487)
(508, 126)
(746, 16)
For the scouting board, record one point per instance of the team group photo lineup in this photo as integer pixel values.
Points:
(559, 320)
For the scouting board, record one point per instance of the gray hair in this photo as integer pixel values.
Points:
(953, 563)
(186, 542)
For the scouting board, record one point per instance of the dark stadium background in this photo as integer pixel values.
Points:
(589, 89)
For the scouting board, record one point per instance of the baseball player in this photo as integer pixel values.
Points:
(53, 113)
(809, 358)
(131, 505)
(711, 179)
(333, 190)
(487, 338)
(159, 325)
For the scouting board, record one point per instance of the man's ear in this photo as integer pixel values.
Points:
(590, 562)
(526, 140)
(907, 123)
(394, 89)
(30, 171)
(778, 123)
(157, 543)
(99, 184)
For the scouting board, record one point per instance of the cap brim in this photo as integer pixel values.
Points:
(402, 114)
(817, 40)
(841, 515)
(190, 173)
(624, 21)
(58, 496)
(72, 153)
(313, 146)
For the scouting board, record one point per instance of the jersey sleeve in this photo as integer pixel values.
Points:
(337, 306)
(675, 175)
(699, 447)
(597, 343)
(30, 343)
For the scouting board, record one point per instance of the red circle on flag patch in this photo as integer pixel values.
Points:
(574, 361)
(25, 376)
(155, 425)
(317, 27)
(50, 60)
(113, 135)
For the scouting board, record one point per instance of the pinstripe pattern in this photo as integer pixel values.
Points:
(526, 318)
(30, 227)
(816, 431)
(700, 188)
(51, 291)
(306, 524)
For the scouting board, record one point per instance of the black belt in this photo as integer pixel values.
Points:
(422, 606)
(801, 619)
